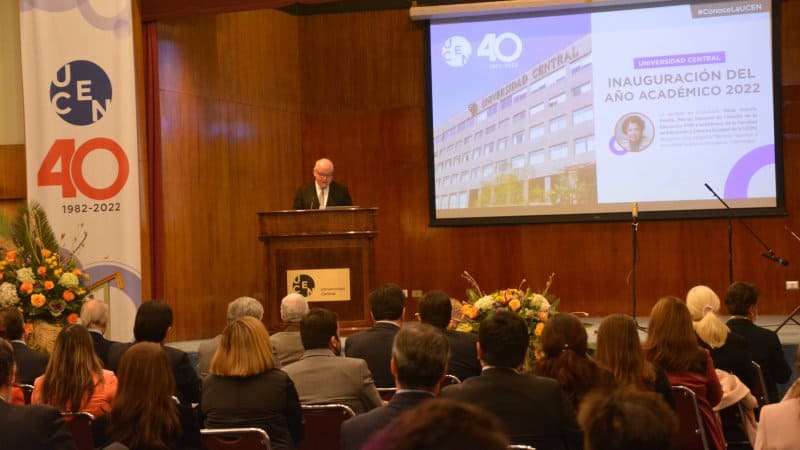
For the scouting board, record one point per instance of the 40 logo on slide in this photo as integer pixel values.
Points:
(81, 92)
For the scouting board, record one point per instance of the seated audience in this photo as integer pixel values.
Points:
(442, 425)
(627, 419)
(74, 379)
(287, 345)
(321, 376)
(730, 352)
(533, 409)
(779, 424)
(241, 307)
(144, 415)
(94, 316)
(619, 350)
(30, 363)
(741, 300)
(672, 344)
(153, 321)
(244, 389)
(564, 344)
(375, 345)
(32, 427)
(435, 309)
(419, 363)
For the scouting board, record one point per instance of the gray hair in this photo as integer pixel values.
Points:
(293, 307)
(94, 312)
(245, 307)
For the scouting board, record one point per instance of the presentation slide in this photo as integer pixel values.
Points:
(577, 115)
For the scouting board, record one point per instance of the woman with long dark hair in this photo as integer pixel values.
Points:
(74, 379)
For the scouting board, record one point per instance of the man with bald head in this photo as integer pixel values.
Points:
(323, 192)
(94, 316)
(287, 345)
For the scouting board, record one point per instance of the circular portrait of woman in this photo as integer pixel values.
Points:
(634, 132)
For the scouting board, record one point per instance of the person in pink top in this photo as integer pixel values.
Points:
(74, 379)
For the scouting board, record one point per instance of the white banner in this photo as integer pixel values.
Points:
(81, 139)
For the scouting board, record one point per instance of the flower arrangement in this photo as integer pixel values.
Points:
(535, 308)
(35, 276)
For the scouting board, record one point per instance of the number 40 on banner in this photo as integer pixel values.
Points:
(71, 176)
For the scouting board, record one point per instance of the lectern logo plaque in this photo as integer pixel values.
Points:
(320, 285)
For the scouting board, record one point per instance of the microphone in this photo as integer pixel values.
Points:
(792, 233)
(770, 255)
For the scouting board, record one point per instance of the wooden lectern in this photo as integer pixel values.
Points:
(308, 240)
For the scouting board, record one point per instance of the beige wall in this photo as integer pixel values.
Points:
(12, 126)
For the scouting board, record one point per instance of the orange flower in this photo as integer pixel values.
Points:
(48, 285)
(11, 255)
(68, 296)
(469, 311)
(72, 318)
(38, 300)
(543, 316)
(28, 327)
(539, 327)
(46, 253)
(1, 275)
(76, 271)
(41, 271)
(26, 288)
(514, 305)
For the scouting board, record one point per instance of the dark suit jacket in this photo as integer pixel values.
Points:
(33, 427)
(30, 363)
(464, 361)
(733, 357)
(306, 197)
(101, 346)
(767, 352)
(533, 410)
(187, 383)
(268, 401)
(375, 347)
(357, 431)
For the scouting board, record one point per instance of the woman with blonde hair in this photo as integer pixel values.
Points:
(672, 345)
(729, 351)
(74, 379)
(244, 389)
(619, 350)
(145, 415)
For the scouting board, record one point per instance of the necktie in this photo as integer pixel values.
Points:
(322, 198)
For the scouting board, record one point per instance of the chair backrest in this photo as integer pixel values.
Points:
(450, 379)
(386, 393)
(691, 434)
(759, 391)
(27, 391)
(734, 426)
(324, 425)
(80, 425)
(235, 439)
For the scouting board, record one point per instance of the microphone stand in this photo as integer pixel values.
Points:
(794, 312)
(768, 252)
(634, 260)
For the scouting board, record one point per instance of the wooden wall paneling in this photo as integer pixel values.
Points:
(231, 138)
(13, 185)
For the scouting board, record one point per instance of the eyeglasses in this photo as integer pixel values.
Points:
(324, 175)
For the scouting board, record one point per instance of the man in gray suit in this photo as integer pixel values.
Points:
(241, 307)
(321, 376)
(286, 345)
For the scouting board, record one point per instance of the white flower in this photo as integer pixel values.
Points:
(8, 295)
(540, 303)
(484, 302)
(69, 280)
(25, 274)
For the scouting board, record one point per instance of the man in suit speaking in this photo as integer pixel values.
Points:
(323, 192)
